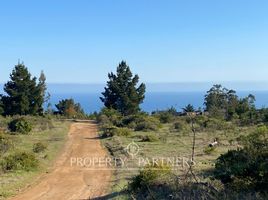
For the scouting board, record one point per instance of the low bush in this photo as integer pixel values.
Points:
(109, 116)
(39, 147)
(174, 188)
(103, 120)
(41, 123)
(107, 130)
(4, 122)
(230, 165)
(166, 117)
(122, 132)
(201, 119)
(180, 126)
(148, 176)
(110, 131)
(20, 125)
(132, 120)
(209, 150)
(5, 143)
(19, 161)
(217, 124)
(149, 138)
(246, 168)
(148, 123)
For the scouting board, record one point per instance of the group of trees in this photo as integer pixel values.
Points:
(224, 103)
(25, 95)
(69, 108)
(241, 169)
(124, 95)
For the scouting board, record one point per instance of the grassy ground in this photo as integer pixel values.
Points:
(169, 145)
(54, 136)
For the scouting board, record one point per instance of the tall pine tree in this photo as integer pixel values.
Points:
(122, 92)
(24, 95)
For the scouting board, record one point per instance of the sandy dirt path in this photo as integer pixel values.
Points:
(73, 181)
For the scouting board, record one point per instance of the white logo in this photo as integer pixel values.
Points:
(133, 149)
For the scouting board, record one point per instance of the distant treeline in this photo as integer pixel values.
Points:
(26, 95)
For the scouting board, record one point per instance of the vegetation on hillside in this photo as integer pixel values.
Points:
(237, 164)
(227, 139)
(23, 157)
(30, 137)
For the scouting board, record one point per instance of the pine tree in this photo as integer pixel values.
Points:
(23, 94)
(189, 108)
(121, 92)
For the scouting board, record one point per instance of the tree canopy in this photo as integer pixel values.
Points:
(188, 108)
(222, 102)
(122, 92)
(69, 108)
(24, 95)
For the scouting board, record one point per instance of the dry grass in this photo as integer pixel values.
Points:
(173, 144)
(55, 136)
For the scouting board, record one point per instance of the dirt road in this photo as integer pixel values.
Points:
(70, 179)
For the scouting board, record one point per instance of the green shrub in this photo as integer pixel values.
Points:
(20, 125)
(122, 132)
(247, 168)
(217, 124)
(165, 117)
(110, 131)
(41, 123)
(209, 150)
(39, 147)
(148, 124)
(132, 125)
(131, 121)
(19, 161)
(201, 119)
(103, 119)
(4, 122)
(5, 143)
(109, 116)
(180, 126)
(149, 138)
(231, 166)
(148, 176)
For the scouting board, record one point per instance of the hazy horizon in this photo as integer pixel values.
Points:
(84, 88)
(178, 86)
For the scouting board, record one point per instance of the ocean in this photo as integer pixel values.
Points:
(90, 102)
(159, 96)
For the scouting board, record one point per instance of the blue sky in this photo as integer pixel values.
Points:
(163, 41)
